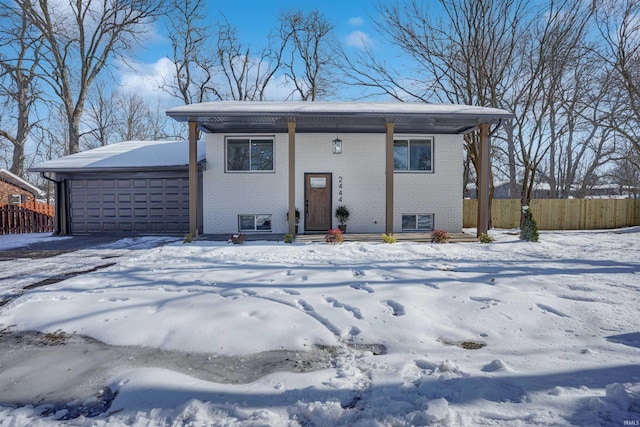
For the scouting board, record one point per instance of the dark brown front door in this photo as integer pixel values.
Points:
(317, 195)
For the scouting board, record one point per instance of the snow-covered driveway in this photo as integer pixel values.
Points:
(551, 330)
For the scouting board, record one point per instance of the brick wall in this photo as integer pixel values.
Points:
(360, 168)
(7, 189)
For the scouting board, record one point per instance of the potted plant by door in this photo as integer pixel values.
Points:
(297, 219)
(342, 213)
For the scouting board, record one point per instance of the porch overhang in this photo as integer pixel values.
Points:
(343, 117)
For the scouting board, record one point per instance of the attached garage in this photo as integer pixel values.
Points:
(139, 187)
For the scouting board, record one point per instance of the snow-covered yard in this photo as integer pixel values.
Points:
(364, 334)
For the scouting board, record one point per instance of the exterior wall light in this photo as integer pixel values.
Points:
(337, 146)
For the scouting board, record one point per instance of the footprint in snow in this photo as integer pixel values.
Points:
(488, 302)
(362, 287)
(355, 311)
(288, 292)
(352, 332)
(549, 309)
(249, 293)
(304, 305)
(431, 285)
(357, 273)
(397, 309)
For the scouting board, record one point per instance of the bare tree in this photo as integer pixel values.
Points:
(19, 91)
(193, 55)
(100, 115)
(121, 116)
(309, 36)
(554, 43)
(246, 77)
(81, 38)
(619, 28)
(136, 120)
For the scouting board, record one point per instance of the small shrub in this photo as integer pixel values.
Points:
(237, 239)
(334, 236)
(440, 236)
(342, 213)
(485, 238)
(529, 229)
(288, 238)
(388, 238)
(188, 238)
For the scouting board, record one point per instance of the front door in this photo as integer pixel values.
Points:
(317, 207)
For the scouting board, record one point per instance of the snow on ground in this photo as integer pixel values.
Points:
(206, 334)
(12, 241)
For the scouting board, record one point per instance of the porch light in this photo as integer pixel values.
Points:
(337, 146)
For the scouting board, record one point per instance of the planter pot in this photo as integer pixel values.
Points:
(343, 227)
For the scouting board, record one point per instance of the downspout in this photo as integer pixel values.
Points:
(60, 205)
(495, 129)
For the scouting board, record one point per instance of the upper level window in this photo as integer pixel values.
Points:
(249, 154)
(413, 155)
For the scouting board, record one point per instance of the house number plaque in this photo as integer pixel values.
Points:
(340, 188)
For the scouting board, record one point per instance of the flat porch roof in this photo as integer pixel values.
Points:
(343, 117)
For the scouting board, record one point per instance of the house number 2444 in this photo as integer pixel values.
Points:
(340, 188)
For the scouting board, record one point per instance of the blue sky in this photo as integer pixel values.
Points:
(254, 19)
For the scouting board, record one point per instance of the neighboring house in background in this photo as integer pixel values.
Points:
(129, 187)
(267, 159)
(15, 190)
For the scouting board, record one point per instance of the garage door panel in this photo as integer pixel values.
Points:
(153, 205)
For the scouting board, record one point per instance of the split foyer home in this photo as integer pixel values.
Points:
(248, 167)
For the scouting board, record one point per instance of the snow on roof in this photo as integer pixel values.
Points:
(125, 155)
(316, 107)
(262, 116)
(15, 180)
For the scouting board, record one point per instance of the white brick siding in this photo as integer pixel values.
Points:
(438, 193)
(362, 169)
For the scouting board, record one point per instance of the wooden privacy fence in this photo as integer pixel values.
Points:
(17, 219)
(560, 214)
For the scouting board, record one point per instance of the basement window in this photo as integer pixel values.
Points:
(254, 223)
(417, 222)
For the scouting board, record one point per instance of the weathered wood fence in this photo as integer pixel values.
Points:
(29, 217)
(560, 214)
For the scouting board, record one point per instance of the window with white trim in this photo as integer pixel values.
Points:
(417, 222)
(249, 154)
(413, 155)
(254, 222)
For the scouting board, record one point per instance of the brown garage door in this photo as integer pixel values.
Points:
(136, 205)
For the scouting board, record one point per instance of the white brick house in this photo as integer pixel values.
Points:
(267, 159)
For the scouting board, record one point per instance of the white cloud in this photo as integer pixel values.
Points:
(356, 21)
(359, 39)
(145, 79)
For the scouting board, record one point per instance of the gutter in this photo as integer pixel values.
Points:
(43, 174)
